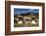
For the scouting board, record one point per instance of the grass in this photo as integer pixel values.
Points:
(25, 25)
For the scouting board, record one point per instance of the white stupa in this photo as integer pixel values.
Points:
(33, 22)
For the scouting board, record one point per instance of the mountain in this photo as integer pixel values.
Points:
(25, 11)
(25, 14)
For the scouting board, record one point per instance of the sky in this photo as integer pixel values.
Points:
(22, 10)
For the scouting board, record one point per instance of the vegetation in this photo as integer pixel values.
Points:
(26, 20)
